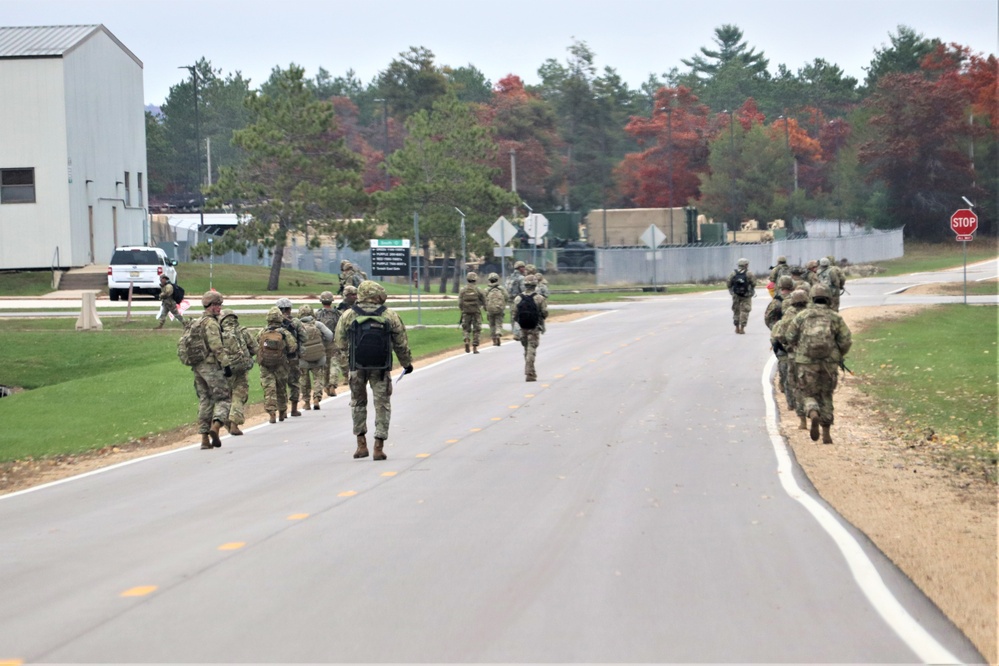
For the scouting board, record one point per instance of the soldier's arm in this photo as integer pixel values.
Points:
(844, 339)
(400, 340)
(290, 342)
(543, 308)
(340, 334)
(213, 338)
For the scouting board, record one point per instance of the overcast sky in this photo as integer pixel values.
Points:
(636, 37)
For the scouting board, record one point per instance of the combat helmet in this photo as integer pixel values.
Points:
(531, 281)
(785, 282)
(326, 297)
(472, 277)
(228, 314)
(781, 260)
(819, 291)
(305, 311)
(519, 264)
(211, 298)
(493, 278)
(350, 290)
(283, 304)
(344, 264)
(824, 261)
(370, 291)
(274, 316)
(799, 296)
(742, 263)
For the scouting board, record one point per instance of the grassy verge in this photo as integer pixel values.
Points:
(935, 375)
(25, 283)
(921, 257)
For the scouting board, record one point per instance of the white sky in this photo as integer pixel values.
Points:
(636, 37)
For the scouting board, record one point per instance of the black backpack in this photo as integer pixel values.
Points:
(178, 293)
(740, 284)
(528, 313)
(370, 341)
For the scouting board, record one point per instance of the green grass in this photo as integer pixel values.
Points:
(937, 372)
(25, 283)
(922, 257)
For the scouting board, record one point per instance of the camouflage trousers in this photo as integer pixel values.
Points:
(331, 371)
(169, 306)
(817, 381)
(471, 325)
(213, 395)
(274, 382)
(381, 392)
(786, 382)
(741, 305)
(294, 380)
(794, 387)
(239, 388)
(496, 324)
(530, 338)
(309, 371)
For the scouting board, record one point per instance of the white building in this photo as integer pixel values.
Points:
(73, 179)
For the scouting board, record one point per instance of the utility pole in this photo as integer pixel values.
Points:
(197, 143)
(385, 148)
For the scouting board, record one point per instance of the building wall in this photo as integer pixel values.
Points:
(106, 137)
(33, 135)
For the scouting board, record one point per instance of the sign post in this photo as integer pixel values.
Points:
(536, 226)
(964, 223)
(652, 238)
(502, 232)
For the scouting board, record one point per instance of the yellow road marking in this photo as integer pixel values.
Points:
(578, 367)
(347, 493)
(545, 385)
(496, 418)
(514, 407)
(389, 473)
(605, 353)
(11, 662)
(298, 516)
(529, 395)
(139, 591)
(422, 455)
(475, 430)
(451, 441)
(233, 545)
(559, 376)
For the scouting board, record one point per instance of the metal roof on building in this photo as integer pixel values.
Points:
(53, 41)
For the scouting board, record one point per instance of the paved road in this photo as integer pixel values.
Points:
(634, 505)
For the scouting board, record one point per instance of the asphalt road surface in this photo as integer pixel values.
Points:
(633, 505)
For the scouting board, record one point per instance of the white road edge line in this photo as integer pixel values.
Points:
(868, 579)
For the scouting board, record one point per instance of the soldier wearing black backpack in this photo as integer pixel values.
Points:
(168, 302)
(369, 332)
(530, 309)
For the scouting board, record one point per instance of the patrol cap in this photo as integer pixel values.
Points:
(785, 283)
(472, 277)
(493, 277)
(305, 311)
(283, 303)
(326, 297)
(274, 316)
(350, 290)
(211, 298)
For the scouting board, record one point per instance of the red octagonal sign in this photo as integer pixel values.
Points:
(964, 222)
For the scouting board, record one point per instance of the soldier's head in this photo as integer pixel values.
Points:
(520, 266)
(812, 265)
(274, 316)
(228, 318)
(785, 284)
(370, 291)
(743, 263)
(212, 300)
(344, 264)
(796, 270)
(530, 269)
(326, 298)
(472, 278)
(799, 297)
(305, 311)
(164, 279)
(824, 262)
(493, 278)
(284, 305)
(820, 294)
(781, 260)
(530, 282)
(350, 293)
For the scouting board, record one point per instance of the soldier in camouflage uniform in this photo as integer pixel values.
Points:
(530, 338)
(742, 304)
(797, 302)
(211, 374)
(830, 277)
(241, 347)
(329, 316)
(515, 287)
(274, 376)
(774, 310)
(167, 304)
(294, 326)
(370, 297)
(317, 368)
(838, 277)
(348, 276)
(471, 302)
(810, 268)
(496, 300)
(819, 327)
(779, 270)
(341, 357)
(798, 277)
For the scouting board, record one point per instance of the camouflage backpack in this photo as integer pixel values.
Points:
(495, 300)
(313, 348)
(272, 348)
(235, 347)
(816, 340)
(468, 299)
(191, 347)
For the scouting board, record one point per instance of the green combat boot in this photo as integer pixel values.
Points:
(362, 447)
(379, 449)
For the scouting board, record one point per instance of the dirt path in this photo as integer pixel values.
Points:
(937, 526)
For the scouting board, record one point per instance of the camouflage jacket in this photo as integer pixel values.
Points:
(212, 331)
(795, 334)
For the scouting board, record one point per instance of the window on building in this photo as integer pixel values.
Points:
(138, 183)
(17, 186)
(128, 190)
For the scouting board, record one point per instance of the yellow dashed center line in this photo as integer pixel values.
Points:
(422, 455)
(529, 395)
(11, 662)
(496, 418)
(451, 441)
(139, 591)
(347, 493)
(475, 430)
(559, 376)
(389, 473)
(233, 545)
(298, 516)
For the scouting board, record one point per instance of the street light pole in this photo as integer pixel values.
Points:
(669, 164)
(388, 178)
(463, 265)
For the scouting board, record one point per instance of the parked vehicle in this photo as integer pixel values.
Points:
(140, 267)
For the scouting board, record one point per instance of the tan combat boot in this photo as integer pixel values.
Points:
(379, 449)
(475, 349)
(331, 390)
(282, 415)
(814, 432)
(294, 409)
(496, 342)
(362, 447)
(206, 442)
(273, 416)
(467, 348)
(234, 429)
(315, 404)
(308, 405)
(826, 437)
(214, 433)
(804, 424)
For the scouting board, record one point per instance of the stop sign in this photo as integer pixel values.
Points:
(964, 222)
